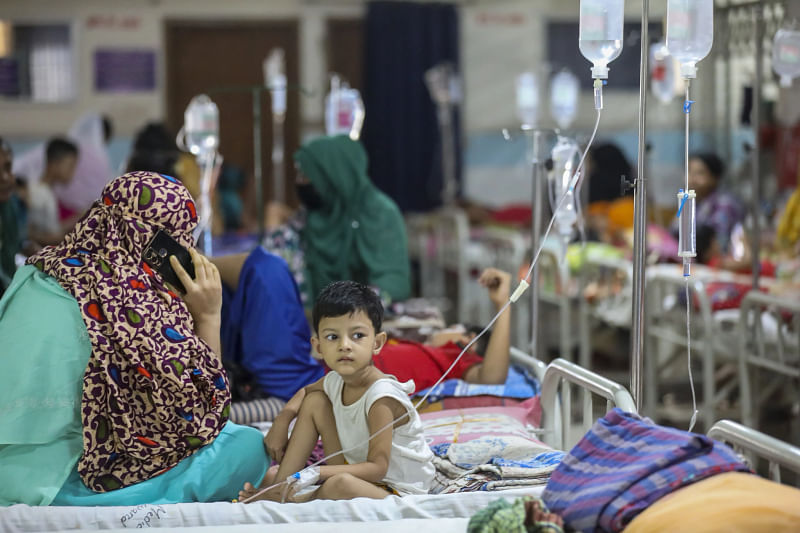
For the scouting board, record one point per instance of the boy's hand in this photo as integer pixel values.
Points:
(276, 440)
(498, 284)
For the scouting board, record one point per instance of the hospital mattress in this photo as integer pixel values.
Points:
(23, 518)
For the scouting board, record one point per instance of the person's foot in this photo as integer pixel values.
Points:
(541, 520)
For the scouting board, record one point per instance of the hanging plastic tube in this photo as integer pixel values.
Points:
(275, 80)
(600, 38)
(344, 109)
(200, 136)
(565, 157)
(786, 55)
(690, 33)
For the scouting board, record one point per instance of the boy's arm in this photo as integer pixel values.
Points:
(494, 368)
(374, 469)
(278, 435)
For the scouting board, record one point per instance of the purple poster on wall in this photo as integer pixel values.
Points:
(124, 70)
(9, 77)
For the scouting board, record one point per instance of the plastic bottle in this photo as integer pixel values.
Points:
(527, 99)
(786, 55)
(275, 80)
(564, 98)
(600, 40)
(344, 111)
(201, 126)
(690, 32)
(663, 72)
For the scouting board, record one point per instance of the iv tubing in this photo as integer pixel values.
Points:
(689, 355)
(517, 293)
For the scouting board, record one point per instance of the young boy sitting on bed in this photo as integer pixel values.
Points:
(353, 401)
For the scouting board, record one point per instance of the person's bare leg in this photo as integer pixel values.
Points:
(315, 419)
(347, 487)
(230, 266)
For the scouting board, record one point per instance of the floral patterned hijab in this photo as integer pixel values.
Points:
(153, 392)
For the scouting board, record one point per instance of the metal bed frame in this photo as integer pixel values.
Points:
(777, 353)
(756, 445)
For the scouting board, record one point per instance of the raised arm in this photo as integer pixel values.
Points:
(494, 369)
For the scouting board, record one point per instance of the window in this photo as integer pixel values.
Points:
(36, 62)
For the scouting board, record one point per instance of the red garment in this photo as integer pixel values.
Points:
(424, 364)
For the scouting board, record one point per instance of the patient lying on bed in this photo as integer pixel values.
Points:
(352, 402)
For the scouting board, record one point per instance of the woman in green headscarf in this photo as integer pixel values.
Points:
(348, 229)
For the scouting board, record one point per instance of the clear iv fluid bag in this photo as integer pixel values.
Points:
(564, 98)
(344, 112)
(600, 40)
(786, 55)
(201, 126)
(275, 79)
(690, 32)
(527, 99)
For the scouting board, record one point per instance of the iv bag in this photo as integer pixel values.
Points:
(527, 99)
(444, 84)
(275, 80)
(344, 110)
(565, 155)
(600, 39)
(564, 98)
(201, 126)
(663, 72)
(690, 32)
(786, 55)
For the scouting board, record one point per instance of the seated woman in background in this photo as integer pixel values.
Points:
(119, 396)
(348, 228)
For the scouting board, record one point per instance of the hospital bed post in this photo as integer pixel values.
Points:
(758, 36)
(257, 161)
(536, 234)
(640, 223)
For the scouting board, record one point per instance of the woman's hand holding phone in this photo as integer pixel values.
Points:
(203, 297)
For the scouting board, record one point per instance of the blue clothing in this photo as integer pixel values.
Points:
(264, 327)
(215, 473)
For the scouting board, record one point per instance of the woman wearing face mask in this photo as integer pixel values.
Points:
(346, 227)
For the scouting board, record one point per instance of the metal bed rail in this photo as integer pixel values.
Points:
(557, 408)
(777, 352)
(751, 442)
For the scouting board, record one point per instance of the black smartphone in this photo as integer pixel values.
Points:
(157, 254)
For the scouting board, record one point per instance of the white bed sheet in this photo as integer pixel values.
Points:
(25, 519)
(440, 525)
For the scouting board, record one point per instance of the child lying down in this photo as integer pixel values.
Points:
(353, 401)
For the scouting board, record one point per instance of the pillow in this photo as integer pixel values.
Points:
(464, 425)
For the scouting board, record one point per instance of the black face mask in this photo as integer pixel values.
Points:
(309, 196)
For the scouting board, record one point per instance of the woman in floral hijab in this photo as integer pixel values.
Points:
(154, 391)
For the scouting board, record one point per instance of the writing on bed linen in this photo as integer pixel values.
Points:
(142, 515)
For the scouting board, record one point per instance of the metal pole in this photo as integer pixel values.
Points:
(278, 180)
(449, 186)
(536, 233)
(257, 161)
(640, 224)
(756, 196)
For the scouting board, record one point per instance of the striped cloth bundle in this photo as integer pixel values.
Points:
(261, 410)
(624, 464)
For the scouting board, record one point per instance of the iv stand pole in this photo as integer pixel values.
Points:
(640, 224)
(536, 233)
(758, 37)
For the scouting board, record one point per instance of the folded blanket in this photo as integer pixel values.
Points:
(624, 464)
(519, 384)
(450, 478)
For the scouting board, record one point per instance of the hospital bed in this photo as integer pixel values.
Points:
(435, 510)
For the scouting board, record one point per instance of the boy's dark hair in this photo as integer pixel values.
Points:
(715, 165)
(154, 150)
(345, 298)
(59, 148)
(482, 343)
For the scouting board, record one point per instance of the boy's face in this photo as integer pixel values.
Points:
(63, 169)
(347, 342)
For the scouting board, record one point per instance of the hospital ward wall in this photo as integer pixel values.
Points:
(499, 40)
